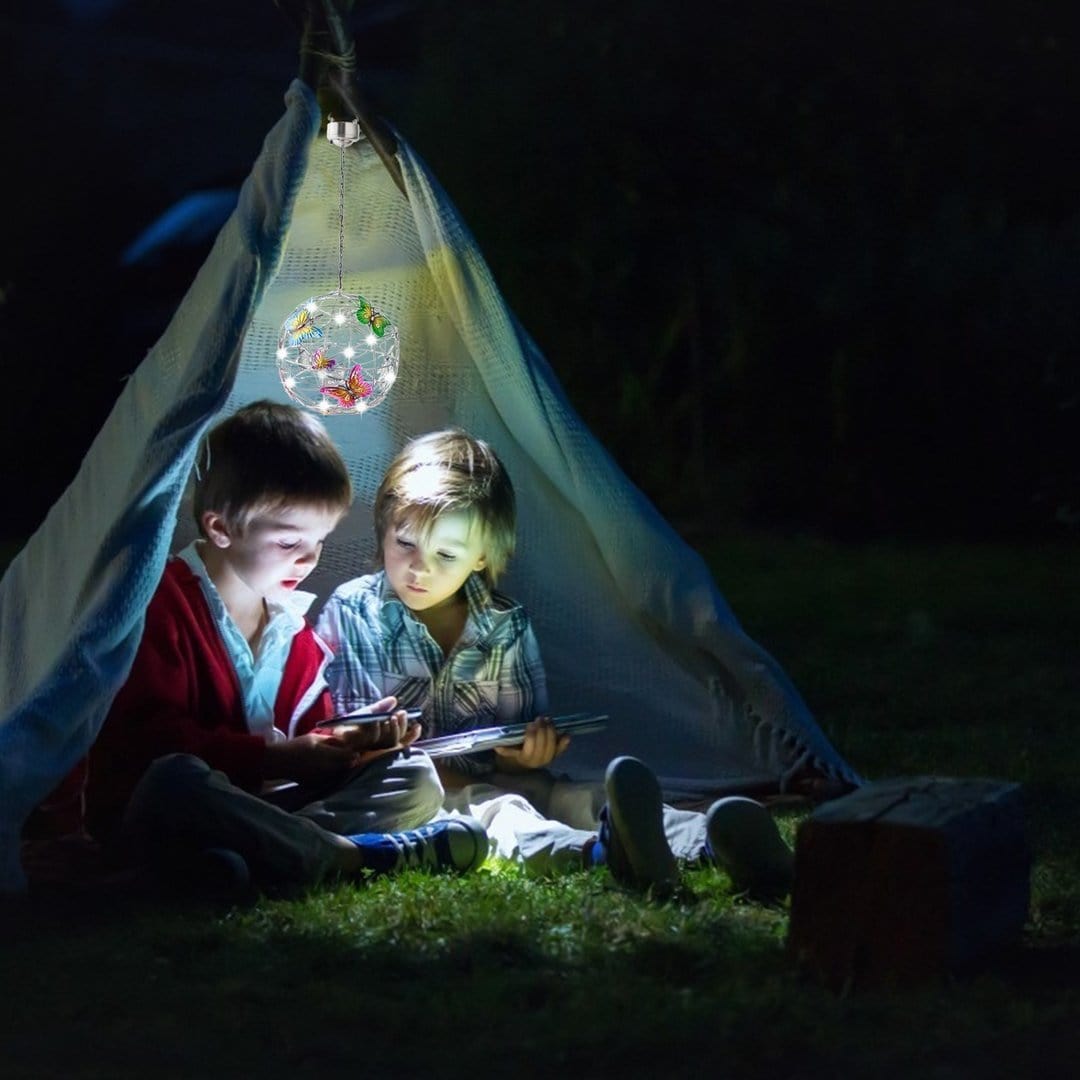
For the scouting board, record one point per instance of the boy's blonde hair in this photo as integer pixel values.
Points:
(445, 471)
(267, 455)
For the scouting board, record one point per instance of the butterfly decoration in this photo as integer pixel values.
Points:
(366, 313)
(319, 361)
(353, 390)
(302, 328)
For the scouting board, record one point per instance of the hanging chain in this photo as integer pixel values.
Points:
(342, 133)
(341, 224)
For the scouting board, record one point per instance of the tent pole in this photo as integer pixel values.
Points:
(328, 66)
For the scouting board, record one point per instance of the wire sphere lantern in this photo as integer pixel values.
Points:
(336, 353)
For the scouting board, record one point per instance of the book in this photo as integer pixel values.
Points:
(469, 742)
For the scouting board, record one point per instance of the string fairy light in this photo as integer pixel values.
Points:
(336, 353)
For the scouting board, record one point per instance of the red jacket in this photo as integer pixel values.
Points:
(183, 696)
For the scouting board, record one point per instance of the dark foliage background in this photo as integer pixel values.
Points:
(809, 265)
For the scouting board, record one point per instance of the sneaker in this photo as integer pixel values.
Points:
(225, 873)
(212, 873)
(743, 840)
(631, 840)
(457, 844)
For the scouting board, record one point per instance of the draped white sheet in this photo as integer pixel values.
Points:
(628, 617)
(72, 602)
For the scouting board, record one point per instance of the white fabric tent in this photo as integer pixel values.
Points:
(629, 620)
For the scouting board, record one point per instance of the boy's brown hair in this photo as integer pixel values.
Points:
(445, 471)
(266, 455)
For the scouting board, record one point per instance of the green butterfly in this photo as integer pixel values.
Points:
(367, 314)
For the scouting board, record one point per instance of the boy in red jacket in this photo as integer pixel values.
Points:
(227, 687)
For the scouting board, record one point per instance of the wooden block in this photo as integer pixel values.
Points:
(909, 879)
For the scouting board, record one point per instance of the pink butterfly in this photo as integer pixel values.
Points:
(354, 389)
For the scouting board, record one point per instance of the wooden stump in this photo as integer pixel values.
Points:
(909, 879)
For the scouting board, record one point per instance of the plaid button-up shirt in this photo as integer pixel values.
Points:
(494, 674)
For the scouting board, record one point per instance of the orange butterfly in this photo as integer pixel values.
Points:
(354, 389)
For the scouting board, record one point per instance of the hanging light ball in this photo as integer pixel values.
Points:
(337, 354)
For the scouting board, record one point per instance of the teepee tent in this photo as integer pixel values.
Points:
(629, 621)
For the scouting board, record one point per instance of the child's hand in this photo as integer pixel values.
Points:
(384, 735)
(542, 745)
(307, 758)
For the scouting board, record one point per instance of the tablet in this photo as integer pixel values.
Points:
(358, 719)
(468, 742)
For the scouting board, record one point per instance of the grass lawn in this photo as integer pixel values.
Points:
(952, 660)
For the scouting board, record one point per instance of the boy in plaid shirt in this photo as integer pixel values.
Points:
(429, 629)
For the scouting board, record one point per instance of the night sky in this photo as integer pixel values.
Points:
(120, 110)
